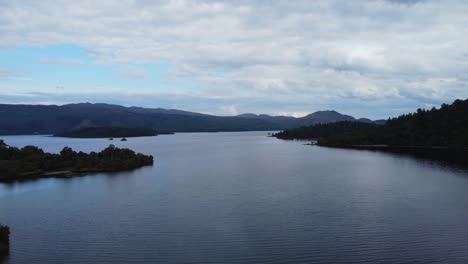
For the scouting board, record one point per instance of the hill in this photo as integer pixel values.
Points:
(446, 127)
(53, 119)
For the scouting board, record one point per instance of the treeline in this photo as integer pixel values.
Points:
(444, 127)
(340, 132)
(33, 162)
(108, 132)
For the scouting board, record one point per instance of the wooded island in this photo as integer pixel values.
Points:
(32, 162)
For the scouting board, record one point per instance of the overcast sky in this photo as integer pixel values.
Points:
(365, 58)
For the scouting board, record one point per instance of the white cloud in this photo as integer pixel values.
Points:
(228, 109)
(287, 113)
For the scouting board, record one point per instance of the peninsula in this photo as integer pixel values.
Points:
(437, 134)
(445, 127)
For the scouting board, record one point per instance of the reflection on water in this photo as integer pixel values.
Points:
(240, 198)
(3, 258)
(450, 158)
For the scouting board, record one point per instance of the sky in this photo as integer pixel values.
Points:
(375, 58)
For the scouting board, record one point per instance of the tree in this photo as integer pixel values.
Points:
(4, 239)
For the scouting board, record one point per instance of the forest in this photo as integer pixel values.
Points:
(445, 127)
(32, 162)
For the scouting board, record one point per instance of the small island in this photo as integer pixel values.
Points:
(32, 162)
(110, 132)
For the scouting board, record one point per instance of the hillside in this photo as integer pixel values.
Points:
(443, 127)
(53, 119)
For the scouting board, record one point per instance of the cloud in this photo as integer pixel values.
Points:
(295, 114)
(302, 52)
(7, 73)
(131, 73)
(229, 109)
(60, 61)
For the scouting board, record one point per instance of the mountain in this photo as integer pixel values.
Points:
(380, 121)
(328, 117)
(249, 115)
(446, 127)
(368, 121)
(53, 119)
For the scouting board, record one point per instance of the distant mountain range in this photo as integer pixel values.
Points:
(53, 119)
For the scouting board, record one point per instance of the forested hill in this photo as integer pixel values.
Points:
(53, 119)
(443, 127)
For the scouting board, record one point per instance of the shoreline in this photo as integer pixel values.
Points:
(455, 156)
(63, 174)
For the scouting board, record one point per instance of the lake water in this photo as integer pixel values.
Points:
(240, 198)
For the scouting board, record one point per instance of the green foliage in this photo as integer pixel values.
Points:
(444, 127)
(30, 161)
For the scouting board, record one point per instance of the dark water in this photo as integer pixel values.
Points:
(240, 198)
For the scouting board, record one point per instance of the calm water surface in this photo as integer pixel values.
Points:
(240, 198)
